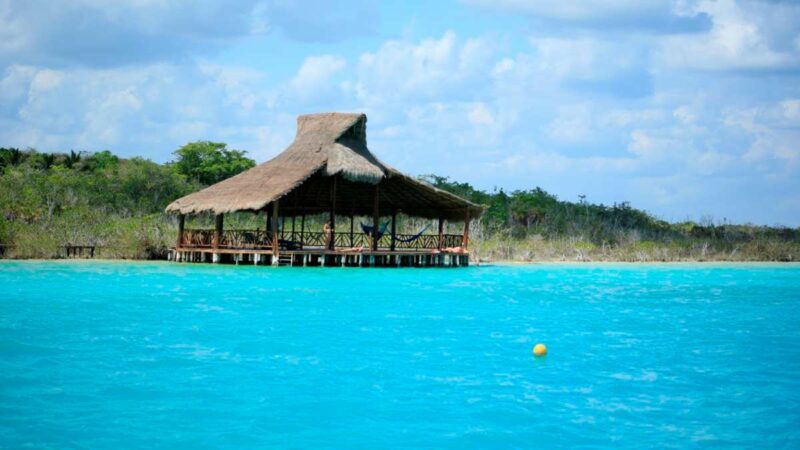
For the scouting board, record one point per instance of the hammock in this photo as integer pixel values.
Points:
(368, 231)
(412, 238)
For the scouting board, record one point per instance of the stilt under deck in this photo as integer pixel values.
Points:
(320, 258)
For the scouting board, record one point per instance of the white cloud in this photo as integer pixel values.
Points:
(99, 33)
(315, 75)
(45, 80)
(542, 162)
(480, 115)
(780, 148)
(775, 133)
(580, 10)
(402, 67)
(743, 36)
(144, 110)
(244, 87)
(589, 97)
(15, 83)
(422, 70)
(572, 123)
(685, 115)
(505, 65)
(642, 144)
(13, 35)
(584, 58)
(315, 20)
(650, 16)
(791, 110)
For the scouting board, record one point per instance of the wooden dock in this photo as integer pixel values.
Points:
(316, 249)
(320, 258)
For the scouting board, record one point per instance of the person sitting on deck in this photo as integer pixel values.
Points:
(328, 232)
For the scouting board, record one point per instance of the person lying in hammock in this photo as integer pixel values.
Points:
(459, 250)
(358, 249)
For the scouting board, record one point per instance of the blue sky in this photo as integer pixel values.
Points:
(687, 108)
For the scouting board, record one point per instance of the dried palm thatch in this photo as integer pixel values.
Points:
(327, 146)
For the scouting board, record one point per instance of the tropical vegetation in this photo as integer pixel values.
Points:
(50, 200)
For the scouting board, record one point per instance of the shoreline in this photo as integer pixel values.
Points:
(543, 262)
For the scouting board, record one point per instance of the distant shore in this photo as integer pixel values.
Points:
(473, 263)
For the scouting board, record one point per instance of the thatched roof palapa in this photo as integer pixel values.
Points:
(327, 145)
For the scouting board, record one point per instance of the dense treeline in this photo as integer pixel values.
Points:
(533, 224)
(52, 199)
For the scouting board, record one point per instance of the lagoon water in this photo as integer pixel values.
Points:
(156, 355)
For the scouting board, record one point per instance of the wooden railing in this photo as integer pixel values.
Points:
(238, 239)
(295, 240)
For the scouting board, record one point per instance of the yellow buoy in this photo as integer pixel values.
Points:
(539, 350)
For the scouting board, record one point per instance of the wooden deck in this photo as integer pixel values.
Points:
(310, 249)
(294, 240)
(320, 258)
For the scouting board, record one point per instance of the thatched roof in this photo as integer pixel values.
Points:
(327, 146)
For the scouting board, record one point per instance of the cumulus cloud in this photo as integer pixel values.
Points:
(480, 115)
(433, 67)
(99, 33)
(144, 111)
(753, 35)
(652, 16)
(103, 34)
(665, 103)
(316, 20)
(315, 75)
(774, 132)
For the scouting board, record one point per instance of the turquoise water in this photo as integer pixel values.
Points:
(153, 355)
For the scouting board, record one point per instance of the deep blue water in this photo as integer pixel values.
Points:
(155, 355)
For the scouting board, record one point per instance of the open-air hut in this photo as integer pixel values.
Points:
(328, 170)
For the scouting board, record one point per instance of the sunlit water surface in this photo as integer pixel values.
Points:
(154, 355)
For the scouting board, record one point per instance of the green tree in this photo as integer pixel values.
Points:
(100, 161)
(142, 186)
(210, 162)
(10, 157)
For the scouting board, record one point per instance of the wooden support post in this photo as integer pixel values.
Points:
(332, 220)
(441, 234)
(375, 218)
(218, 231)
(394, 229)
(352, 241)
(465, 239)
(294, 216)
(275, 243)
(268, 213)
(302, 229)
(181, 221)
